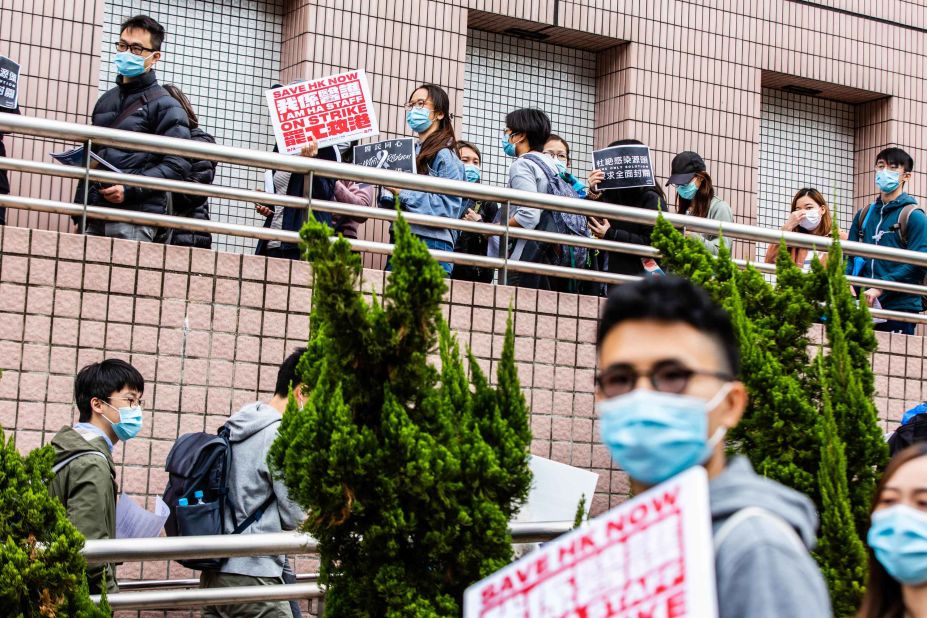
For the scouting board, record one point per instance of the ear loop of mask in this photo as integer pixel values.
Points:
(710, 406)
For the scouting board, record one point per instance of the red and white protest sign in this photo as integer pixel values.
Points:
(332, 109)
(650, 557)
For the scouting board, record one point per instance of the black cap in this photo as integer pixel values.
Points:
(685, 164)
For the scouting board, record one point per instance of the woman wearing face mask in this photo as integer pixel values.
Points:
(897, 585)
(474, 243)
(809, 215)
(558, 149)
(696, 196)
(428, 114)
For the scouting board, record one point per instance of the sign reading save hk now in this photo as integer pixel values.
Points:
(651, 556)
(330, 110)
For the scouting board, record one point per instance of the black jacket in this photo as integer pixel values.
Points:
(158, 115)
(195, 206)
(293, 218)
(625, 231)
(475, 243)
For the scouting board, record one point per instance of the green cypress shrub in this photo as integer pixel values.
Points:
(409, 472)
(42, 571)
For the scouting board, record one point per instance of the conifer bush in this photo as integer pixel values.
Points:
(42, 571)
(409, 473)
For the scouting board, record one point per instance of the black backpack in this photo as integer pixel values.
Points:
(201, 461)
(915, 430)
(551, 221)
(901, 227)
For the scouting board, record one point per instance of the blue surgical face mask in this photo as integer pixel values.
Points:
(471, 173)
(130, 65)
(898, 537)
(561, 166)
(508, 147)
(687, 191)
(419, 119)
(130, 421)
(887, 181)
(654, 436)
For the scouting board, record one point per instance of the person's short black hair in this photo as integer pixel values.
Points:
(671, 299)
(101, 380)
(287, 377)
(143, 22)
(896, 156)
(533, 123)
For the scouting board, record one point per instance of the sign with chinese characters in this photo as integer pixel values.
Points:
(625, 167)
(330, 110)
(651, 556)
(395, 154)
(9, 83)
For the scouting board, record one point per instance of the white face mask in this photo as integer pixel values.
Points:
(811, 220)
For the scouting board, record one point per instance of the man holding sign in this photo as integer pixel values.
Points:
(667, 394)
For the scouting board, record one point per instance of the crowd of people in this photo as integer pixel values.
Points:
(541, 163)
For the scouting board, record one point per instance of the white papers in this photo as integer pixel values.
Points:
(877, 305)
(75, 158)
(556, 490)
(269, 182)
(134, 522)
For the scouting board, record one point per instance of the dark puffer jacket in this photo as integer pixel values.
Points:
(158, 115)
(195, 206)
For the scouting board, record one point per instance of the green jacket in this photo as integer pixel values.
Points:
(87, 488)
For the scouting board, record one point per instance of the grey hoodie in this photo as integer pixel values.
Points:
(760, 569)
(251, 431)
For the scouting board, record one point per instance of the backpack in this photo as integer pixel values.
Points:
(901, 227)
(911, 431)
(201, 461)
(558, 223)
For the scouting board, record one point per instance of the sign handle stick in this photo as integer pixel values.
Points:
(83, 217)
(307, 190)
(505, 245)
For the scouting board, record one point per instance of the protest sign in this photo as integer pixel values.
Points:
(331, 110)
(556, 490)
(625, 167)
(395, 154)
(651, 556)
(9, 83)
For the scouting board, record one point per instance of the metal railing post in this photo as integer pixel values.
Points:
(83, 217)
(307, 190)
(505, 245)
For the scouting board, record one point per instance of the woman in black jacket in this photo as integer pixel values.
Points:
(204, 172)
(650, 198)
(473, 243)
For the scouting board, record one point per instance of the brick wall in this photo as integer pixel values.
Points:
(68, 300)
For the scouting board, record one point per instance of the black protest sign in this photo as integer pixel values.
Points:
(625, 167)
(393, 154)
(9, 83)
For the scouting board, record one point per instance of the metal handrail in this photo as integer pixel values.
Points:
(133, 585)
(337, 208)
(173, 599)
(105, 136)
(273, 543)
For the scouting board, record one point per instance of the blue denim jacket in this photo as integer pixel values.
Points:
(445, 165)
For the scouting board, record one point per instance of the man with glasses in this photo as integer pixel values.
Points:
(667, 393)
(137, 103)
(109, 401)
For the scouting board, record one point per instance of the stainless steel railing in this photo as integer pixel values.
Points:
(154, 595)
(125, 139)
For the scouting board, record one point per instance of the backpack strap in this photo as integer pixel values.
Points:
(863, 217)
(903, 221)
(61, 464)
(130, 108)
(752, 512)
(254, 516)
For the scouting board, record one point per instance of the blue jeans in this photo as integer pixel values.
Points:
(896, 326)
(431, 243)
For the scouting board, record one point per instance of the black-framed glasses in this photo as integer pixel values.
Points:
(130, 401)
(135, 48)
(665, 376)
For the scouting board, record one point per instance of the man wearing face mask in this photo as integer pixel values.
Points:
(137, 103)
(252, 487)
(667, 393)
(894, 220)
(109, 399)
